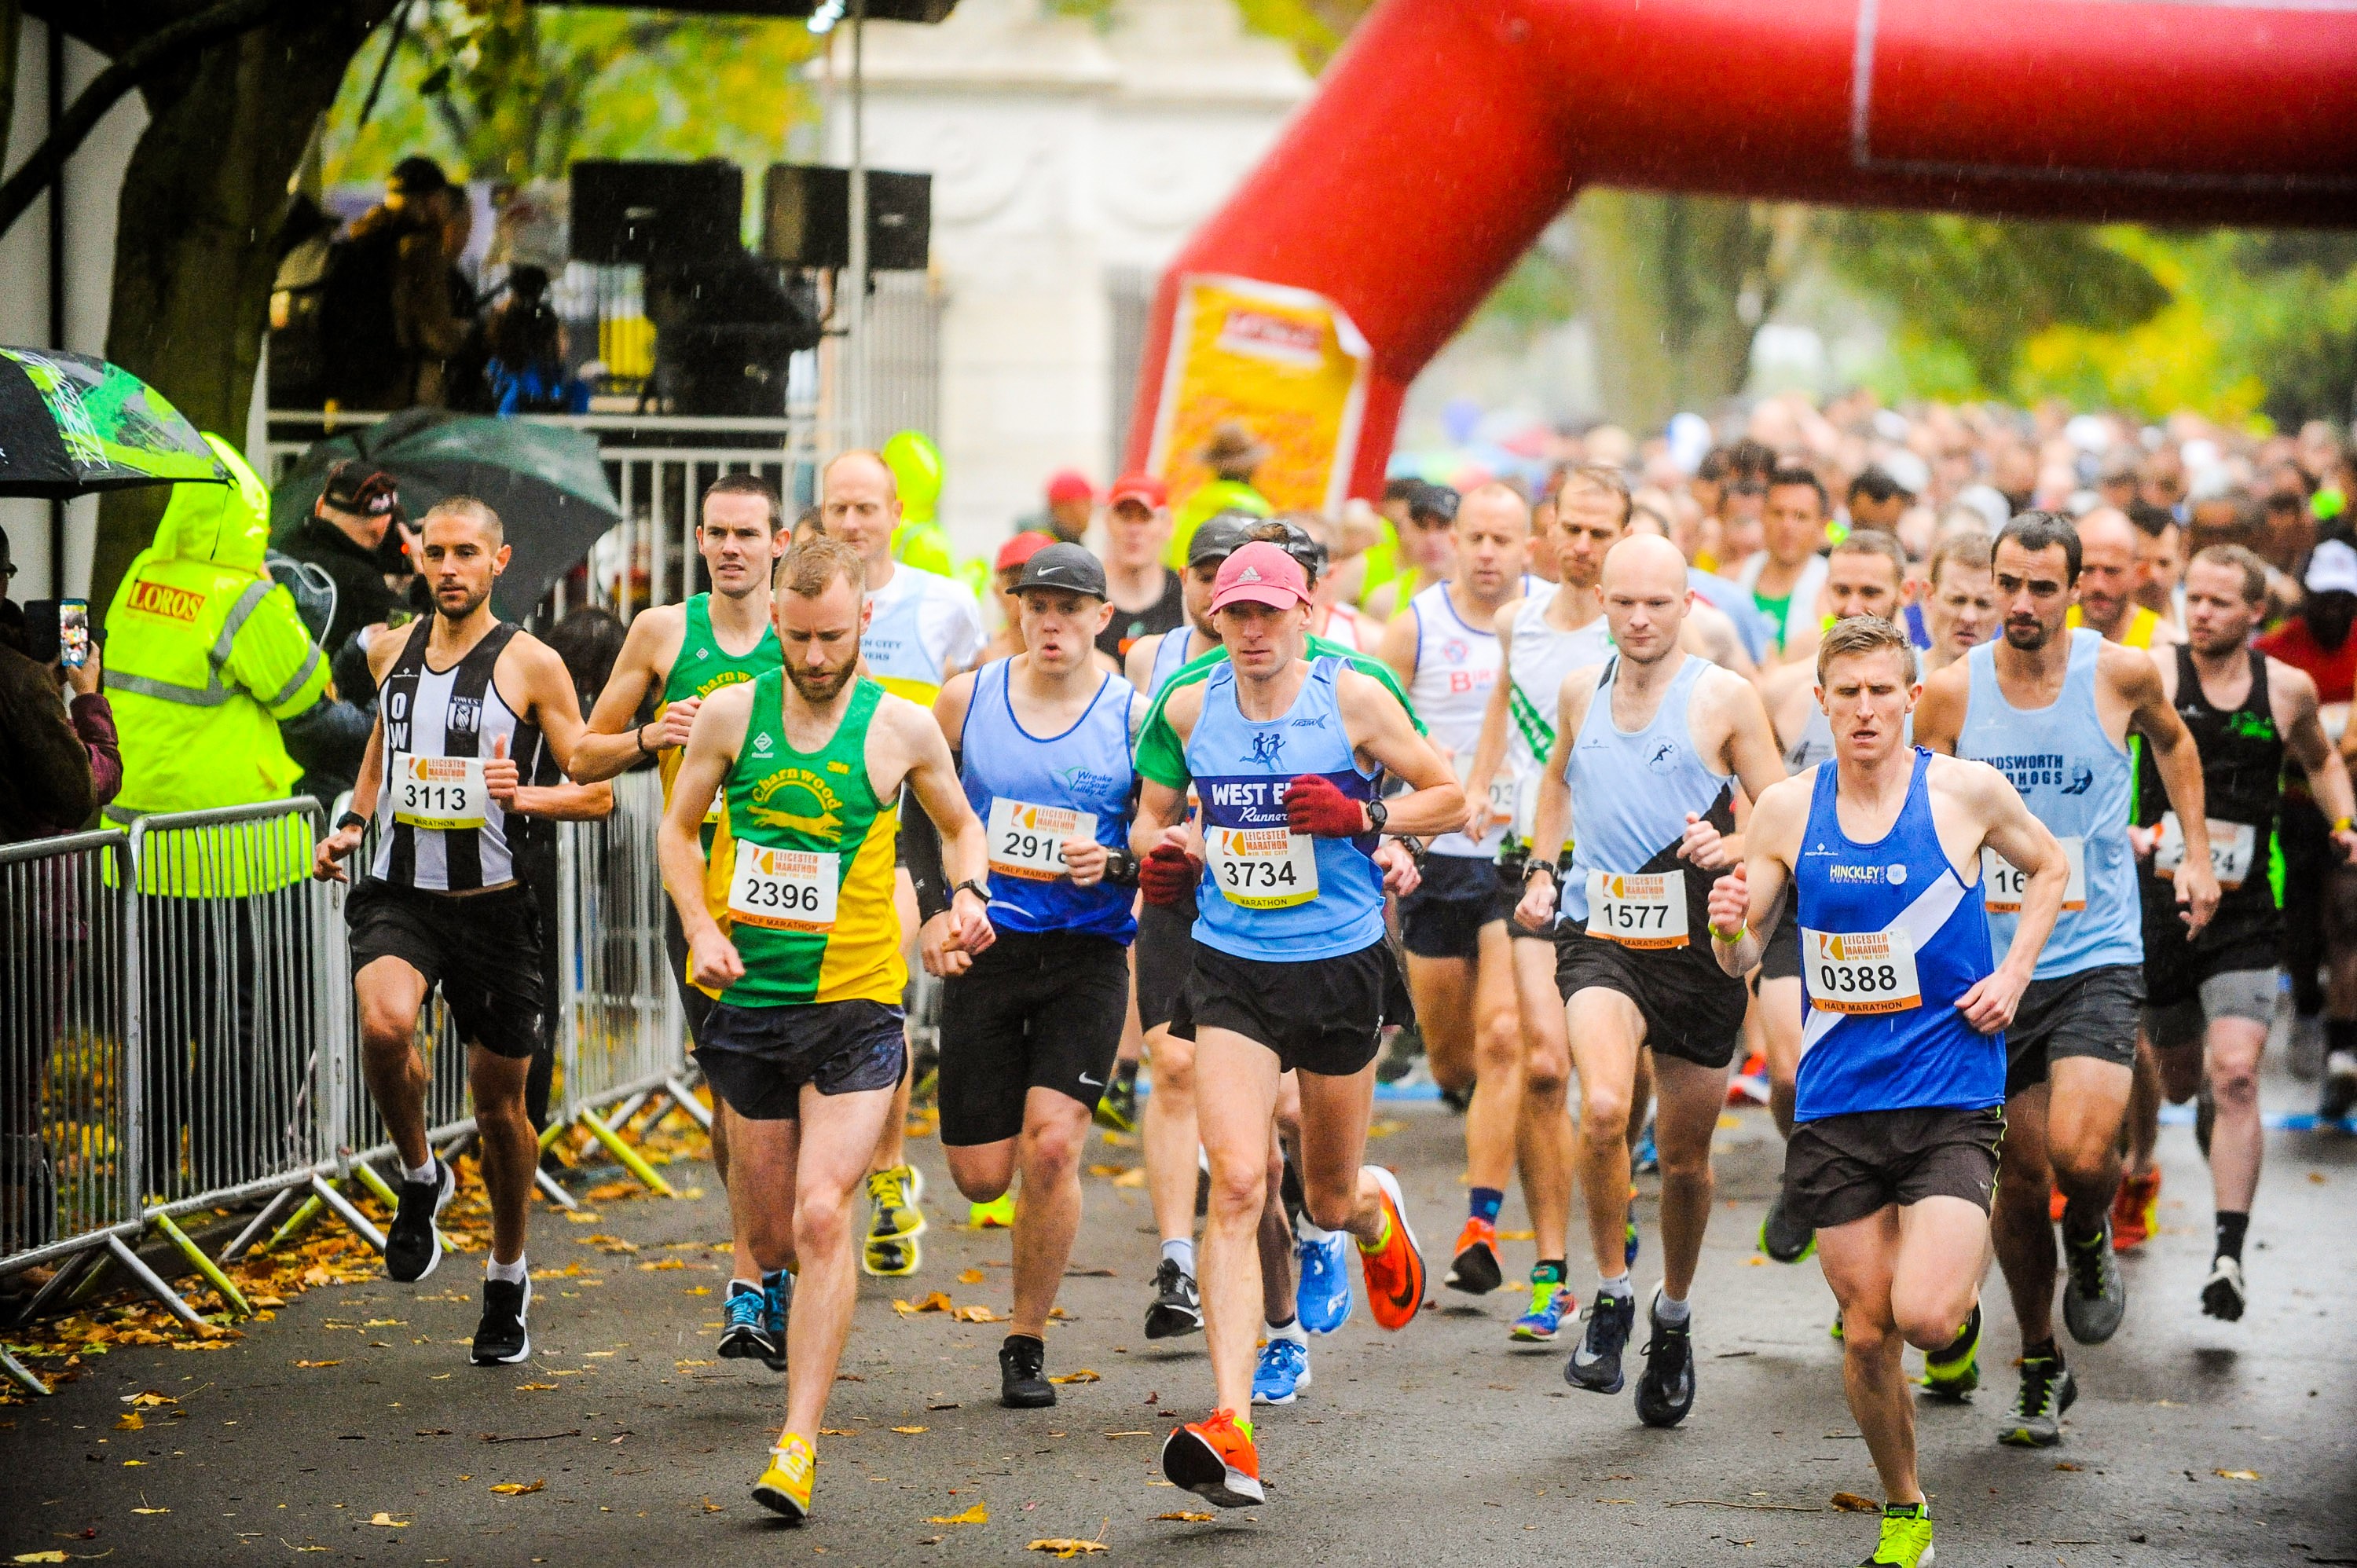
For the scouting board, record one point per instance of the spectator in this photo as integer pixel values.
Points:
(63, 764)
(1233, 455)
(525, 342)
(355, 530)
(1146, 596)
(397, 314)
(1071, 506)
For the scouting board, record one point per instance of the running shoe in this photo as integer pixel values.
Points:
(502, 1339)
(1550, 1303)
(2340, 1086)
(2055, 1204)
(777, 1311)
(1596, 1365)
(2205, 1117)
(745, 1333)
(1283, 1373)
(1647, 1158)
(1399, 1055)
(412, 1246)
(1784, 1237)
(785, 1486)
(998, 1214)
(1177, 1306)
(2048, 1390)
(1323, 1298)
(2135, 1211)
(1906, 1538)
(1457, 1100)
(2095, 1296)
(1833, 1330)
(1629, 1243)
(1666, 1389)
(1117, 1107)
(1953, 1374)
(1214, 1459)
(1475, 1269)
(1020, 1383)
(1395, 1269)
(2222, 1295)
(894, 1222)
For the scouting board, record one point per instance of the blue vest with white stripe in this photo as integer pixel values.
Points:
(1086, 768)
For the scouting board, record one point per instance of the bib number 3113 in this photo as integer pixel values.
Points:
(1637, 911)
(443, 794)
(1262, 868)
(784, 889)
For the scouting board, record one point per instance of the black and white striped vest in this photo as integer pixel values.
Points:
(438, 830)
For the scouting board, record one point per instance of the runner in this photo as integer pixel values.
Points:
(1784, 576)
(924, 629)
(1958, 598)
(464, 703)
(1542, 638)
(1291, 966)
(683, 654)
(2111, 575)
(1030, 1028)
(1427, 543)
(2211, 998)
(1649, 748)
(1460, 970)
(2052, 711)
(1900, 1117)
(807, 1029)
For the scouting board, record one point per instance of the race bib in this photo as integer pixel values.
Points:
(2231, 845)
(2002, 885)
(1027, 841)
(445, 793)
(1501, 785)
(1262, 868)
(1637, 911)
(1861, 971)
(784, 889)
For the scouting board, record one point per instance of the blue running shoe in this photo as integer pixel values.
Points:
(1283, 1373)
(777, 1307)
(1628, 1245)
(1647, 1160)
(745, 1333)
(1323, 1299)
(1550, 1303)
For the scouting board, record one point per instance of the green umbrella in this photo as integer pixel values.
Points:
(71, 425)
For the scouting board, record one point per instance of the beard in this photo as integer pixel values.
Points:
(473, 602)
(822, 686)
(2029, 638)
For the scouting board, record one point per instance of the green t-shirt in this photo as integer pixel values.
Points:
(1162, 756)
(1778, 611)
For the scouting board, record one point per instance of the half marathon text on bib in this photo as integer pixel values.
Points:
(445, 793)
(2232, 848)
(785, 889)
(1648, 911)
(2003, 884)
(1027, 841)
(1861, 971)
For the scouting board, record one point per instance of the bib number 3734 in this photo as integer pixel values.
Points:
(1860, 971)
(1262, 868)
(1637, 911)
(445, 793)
(784, 889)
(1027, 841)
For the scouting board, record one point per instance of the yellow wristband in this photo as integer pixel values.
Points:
(1740, 932)
(2344, 824)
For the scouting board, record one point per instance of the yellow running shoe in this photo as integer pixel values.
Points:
(1906, 1537)
(785, 1486)
(894, 1222)
(998, 1214)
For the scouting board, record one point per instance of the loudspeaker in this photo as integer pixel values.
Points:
(655, 214)
(806, 218)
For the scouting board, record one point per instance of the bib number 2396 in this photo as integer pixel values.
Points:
(784, 889)
(445, 793)
(1637, 911)
(1263, 868)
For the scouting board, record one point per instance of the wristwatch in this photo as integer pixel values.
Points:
(969, 885)
(351, 820)
(1536, 866)
(1377, 815)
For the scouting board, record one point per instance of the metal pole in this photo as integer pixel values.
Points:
(53, 63)
(855, 406)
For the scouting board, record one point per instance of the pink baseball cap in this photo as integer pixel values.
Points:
(1260, 573)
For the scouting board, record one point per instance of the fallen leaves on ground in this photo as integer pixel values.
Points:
(661, 1265)
(612, 1245)
(336, 1363)
(38, 1557)
(1133, 1176)
(147, 1399)
(937, 1302)
(974, 1314)
(1066, 1546)
(2236, 1475)
(1386, 1128)
(129, 1421)
(1188, 1518)
(535, 1388)
(520, 1488)
(970, 1277)
(978, 1514)
(910, 1431)
(1083, 1376)
(1850, 1502)
(387, 1520)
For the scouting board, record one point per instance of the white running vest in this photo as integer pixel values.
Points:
(1456, 666)
(439, 724)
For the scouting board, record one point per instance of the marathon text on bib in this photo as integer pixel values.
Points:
(1861, 971)
(1027, 841)
(2005, 884)
(440, 792)
(1637, 911)
(785, 889)
(2231, 846)
(1262, 868)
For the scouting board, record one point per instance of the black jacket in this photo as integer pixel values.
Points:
(361, 597)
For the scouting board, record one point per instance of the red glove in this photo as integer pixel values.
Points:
(1313, 805)
(1168, 875)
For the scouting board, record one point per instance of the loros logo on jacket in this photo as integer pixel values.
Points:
(182, 604)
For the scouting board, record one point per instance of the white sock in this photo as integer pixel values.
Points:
(1309, 1230)
(1616, 1286)
(1670, 1309)
(1182, 1251)
(420, 1173)
(514, 1274)
(1292, 1331)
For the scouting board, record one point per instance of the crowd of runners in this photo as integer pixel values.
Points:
(1973, 844)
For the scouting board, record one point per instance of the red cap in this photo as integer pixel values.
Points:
(1144, 488)
(1260, 573)
(1020, 549)
(1069, 485)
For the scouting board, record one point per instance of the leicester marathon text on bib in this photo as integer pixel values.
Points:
(1637, 911)
(1027, 841)
(785, 889)
(2231, 846)
(1262, 868)
(440, 792)
(1861, 971)
(2004, 885)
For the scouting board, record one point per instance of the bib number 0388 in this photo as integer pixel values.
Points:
(1860, 971)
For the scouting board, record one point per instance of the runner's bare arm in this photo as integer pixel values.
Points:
(2008, 827)
(933, 779)
(1940, 711)
(1749, 752)
(1138, 665)
(612, 744)
(2294, 693)
(546, 698)
(711, 747)
(1161, 815)
(949, 706)
(2136, 681)
(1747, 899)
(326, 859)
(1489, 751)
(1380, 731)
(1398, 649)
(1551, 820)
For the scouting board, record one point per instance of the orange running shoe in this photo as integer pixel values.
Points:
(2135, 1211)
(2055, 1204)
(1214, 1459)
(1396, 1270)
(1475, 1271)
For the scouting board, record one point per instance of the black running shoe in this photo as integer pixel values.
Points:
(413, 1244)
(1596, 1365)
(777, 1311)
(500, 1337)
(1020, 1384)
(1783, 1237)
(2095, 1293)
(1666, 1389)
(1177, 1306)
(745, 1334)
(2223, 1294)
(2340, 1095)
(2048, 1390)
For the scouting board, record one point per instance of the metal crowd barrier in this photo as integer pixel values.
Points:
(176, 1033)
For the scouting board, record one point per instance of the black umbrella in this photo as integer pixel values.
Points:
(545, 482)
(71, 425)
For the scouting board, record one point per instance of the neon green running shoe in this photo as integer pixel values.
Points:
(1951, 1374)
(1906, 1537)
(1834, 1329)
(894, 1222)
(998, 1214)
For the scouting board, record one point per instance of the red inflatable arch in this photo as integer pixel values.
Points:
(1448, 132)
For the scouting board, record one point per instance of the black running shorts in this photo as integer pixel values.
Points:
(481, 948)
(758, 1059)
(1510, 898)
(1037, 1010)
(1322, 1016)
(1780, 959)
(1841, 1168)
(694, 1000)
(1690, 1014)
(2093, 1013)
(1165, 946)
(1444, 916)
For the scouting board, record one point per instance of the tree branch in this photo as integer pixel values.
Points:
(108, 88)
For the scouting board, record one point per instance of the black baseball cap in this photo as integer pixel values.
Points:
(1068, 567)
(356, 485)
(1434, 500)
(1221, 535)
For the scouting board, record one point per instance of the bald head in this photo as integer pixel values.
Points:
(859, 504)
(1645, 590)
(1646, 559)
(2109, 524)
(2109, 573)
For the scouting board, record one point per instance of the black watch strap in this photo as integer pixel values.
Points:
(1537, 865)
(351, 820)
(970, 885)
(1377, 815)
